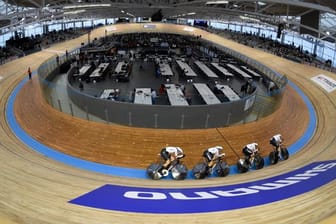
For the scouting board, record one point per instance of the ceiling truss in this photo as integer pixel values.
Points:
(22, 12)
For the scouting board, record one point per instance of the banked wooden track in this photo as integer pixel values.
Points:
(35, 189)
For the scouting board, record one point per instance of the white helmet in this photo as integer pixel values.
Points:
(179, 150)
(219, 147)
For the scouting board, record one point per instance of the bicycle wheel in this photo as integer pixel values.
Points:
(273, 157)
(259, 162)
(242, 166)
(222, 169)
(152, 171)
(200, 171)
(284, 153)
(179, 172)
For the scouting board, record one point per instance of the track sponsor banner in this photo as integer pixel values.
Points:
(149, 26)
(111, 28)
(210, 199)
(325, 82)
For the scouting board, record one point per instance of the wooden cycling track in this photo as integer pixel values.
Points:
(35, 189)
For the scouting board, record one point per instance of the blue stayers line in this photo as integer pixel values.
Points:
(61, 157)
(121, 171)
(311, 125)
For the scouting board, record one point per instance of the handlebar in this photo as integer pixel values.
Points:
(177, 157)
(180, 156)
(221, 155)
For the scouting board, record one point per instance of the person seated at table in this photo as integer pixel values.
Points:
(93, 65)
(158, 72)
(188, 97)
(216, 90)
(170, 60)
(81, 86)
(185, 71)
(154, 96)
(182, 87)
(162, 89)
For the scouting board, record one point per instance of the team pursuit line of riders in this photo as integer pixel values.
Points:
(213, 163)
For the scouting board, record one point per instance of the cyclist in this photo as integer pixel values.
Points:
(276, 141)
(170, 154)
(250, 150)
(211, 154)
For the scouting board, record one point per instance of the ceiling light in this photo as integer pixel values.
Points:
(261, 3)
(130, 14)
(191, 13)
(74, 12)
(85, 6)
(216, 2)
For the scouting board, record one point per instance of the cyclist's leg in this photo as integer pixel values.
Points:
(279, 150)
(248, 155)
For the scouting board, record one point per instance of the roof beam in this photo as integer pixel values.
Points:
(305, 12)
(312, 29)
(331, 35)
(34, 3)
(286, 2)
(266, 7)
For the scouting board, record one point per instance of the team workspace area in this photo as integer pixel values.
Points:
(191, 79)
(161, 69)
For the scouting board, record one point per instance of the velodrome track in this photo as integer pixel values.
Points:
(36, 189)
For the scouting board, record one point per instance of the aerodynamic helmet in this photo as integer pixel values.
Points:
(219, 147)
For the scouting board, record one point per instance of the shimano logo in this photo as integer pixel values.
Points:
(214, 194)
(210, 199)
